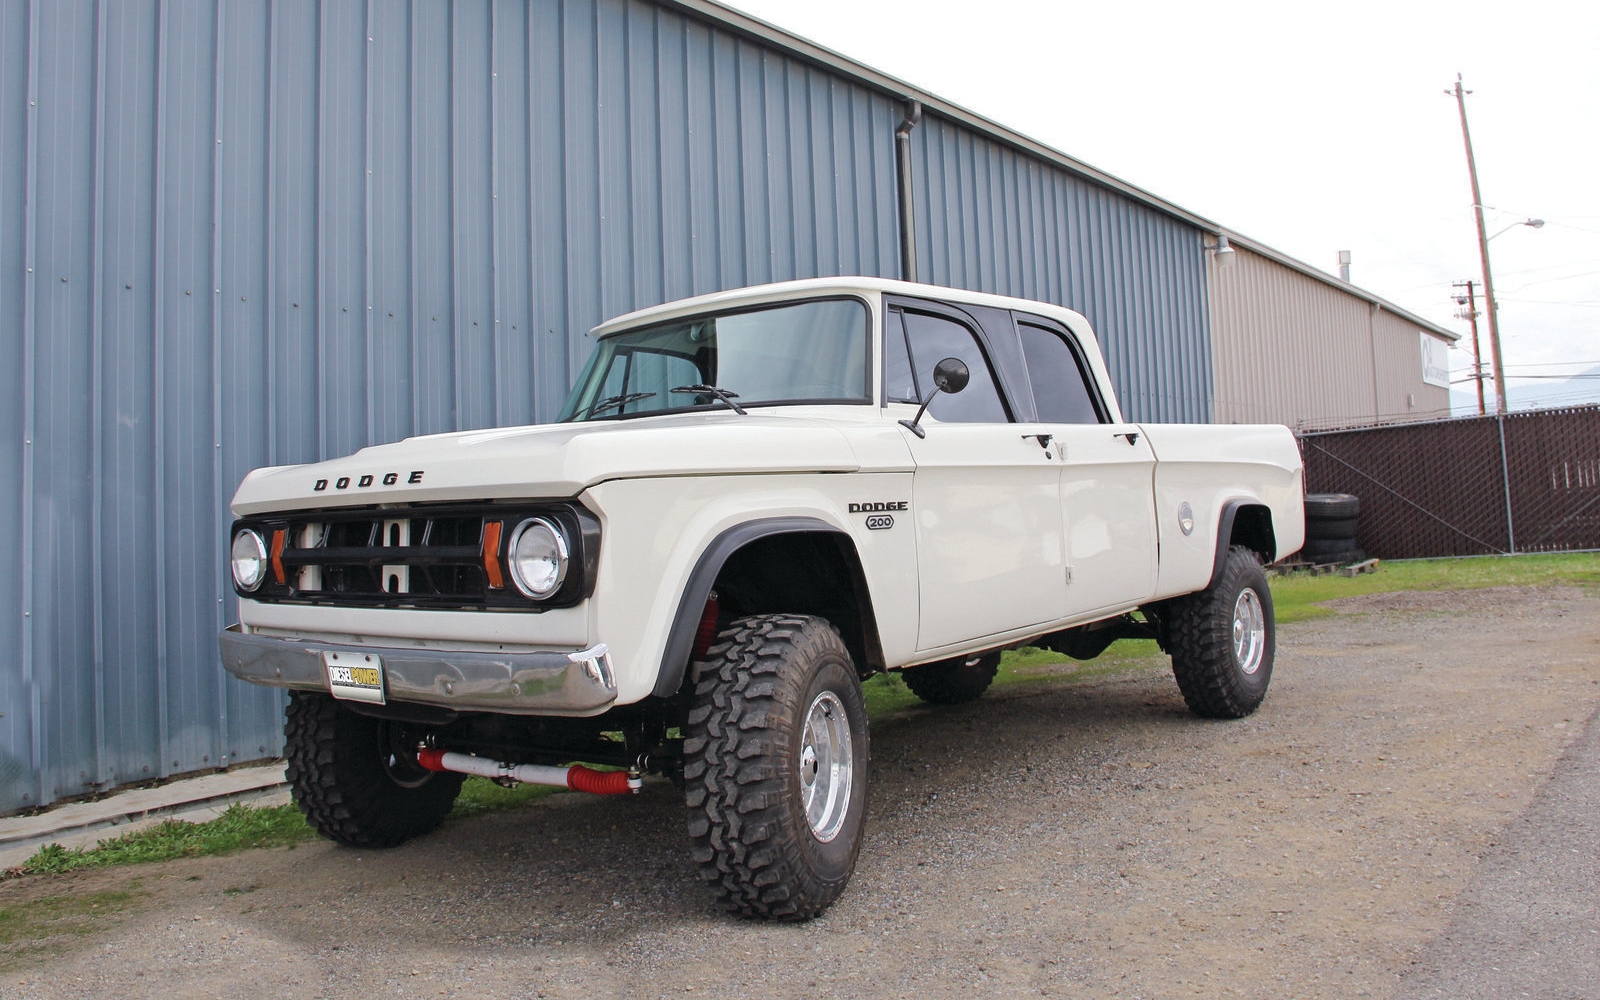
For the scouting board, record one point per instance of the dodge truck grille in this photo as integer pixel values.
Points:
(438, 557)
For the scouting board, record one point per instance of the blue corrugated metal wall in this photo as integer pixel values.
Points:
(243, 234)
(996, 220)
(247, 234)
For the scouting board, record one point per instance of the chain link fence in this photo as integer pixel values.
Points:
(1523, 482)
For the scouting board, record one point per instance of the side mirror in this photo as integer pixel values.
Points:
(950, 375)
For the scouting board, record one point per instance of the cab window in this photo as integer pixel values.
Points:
(930, 339)
(1061, 388)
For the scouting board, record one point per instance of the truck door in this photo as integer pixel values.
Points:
(986, 495)
(1107, 482)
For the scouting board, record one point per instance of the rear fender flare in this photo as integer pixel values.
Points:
(1225, 524)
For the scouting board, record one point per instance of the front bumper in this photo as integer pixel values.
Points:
(544, 682)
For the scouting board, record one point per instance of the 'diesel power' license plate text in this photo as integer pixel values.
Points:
(355, 676)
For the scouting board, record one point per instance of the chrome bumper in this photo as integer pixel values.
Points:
(538, 683)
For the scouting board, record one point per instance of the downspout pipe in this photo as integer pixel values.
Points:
(902, 158)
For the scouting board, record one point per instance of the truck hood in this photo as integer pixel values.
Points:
(551, 460)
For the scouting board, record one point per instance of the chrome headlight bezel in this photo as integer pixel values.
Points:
(248, 548)
(548, 542)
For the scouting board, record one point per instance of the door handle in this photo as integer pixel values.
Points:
(1132, 436)
(1043, 439)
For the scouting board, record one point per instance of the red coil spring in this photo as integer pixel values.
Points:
(582, 779)
(706, 634)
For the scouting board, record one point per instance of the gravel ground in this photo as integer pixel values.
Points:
(1069, 838)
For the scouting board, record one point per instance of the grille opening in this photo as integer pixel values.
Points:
(410, 557)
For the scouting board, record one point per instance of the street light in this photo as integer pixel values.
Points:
(1530, 223)
(1490, 303)
(1460, 93)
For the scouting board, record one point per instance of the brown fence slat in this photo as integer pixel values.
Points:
(1442, 489)
(1555, 479)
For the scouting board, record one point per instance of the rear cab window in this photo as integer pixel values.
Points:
(1063, 392)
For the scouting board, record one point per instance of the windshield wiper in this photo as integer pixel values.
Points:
(711, 390)
(610, 401)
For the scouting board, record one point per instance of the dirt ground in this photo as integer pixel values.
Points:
(1069, 838)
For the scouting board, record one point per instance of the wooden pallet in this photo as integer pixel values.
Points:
(1356, 569)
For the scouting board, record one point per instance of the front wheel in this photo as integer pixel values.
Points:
(1222, 640)
(775, 760)
(356, 778)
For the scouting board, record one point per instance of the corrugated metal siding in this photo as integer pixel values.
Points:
(273, 233)
(1402, 395)
(993, 219)
(16, 407)
(1290, 349)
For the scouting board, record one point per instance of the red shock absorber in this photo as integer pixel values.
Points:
(706, 634)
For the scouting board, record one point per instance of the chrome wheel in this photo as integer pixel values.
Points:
(1249, 631)
(826, 766)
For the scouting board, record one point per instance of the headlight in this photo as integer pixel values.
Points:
(249, 559)
(538, 557)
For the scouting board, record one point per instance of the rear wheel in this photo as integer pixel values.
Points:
(1222, 640)
(775, 760)
(954, 681)
(357, 778)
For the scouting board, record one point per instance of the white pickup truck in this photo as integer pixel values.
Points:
(752, 501)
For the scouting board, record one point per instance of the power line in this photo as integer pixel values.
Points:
(1575, 303)
(1546, 281)
(1554, 267)
(1550, 364)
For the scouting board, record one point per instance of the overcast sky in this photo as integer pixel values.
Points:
(1312, 128)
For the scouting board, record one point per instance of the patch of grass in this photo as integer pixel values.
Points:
(480, 795)
(886, 693)
(53, 915)
(43, 926)
(1298, 596)
(238, 828)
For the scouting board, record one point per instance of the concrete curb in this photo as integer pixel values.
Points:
(82, 824)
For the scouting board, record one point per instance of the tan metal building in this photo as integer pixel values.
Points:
(1292, 345)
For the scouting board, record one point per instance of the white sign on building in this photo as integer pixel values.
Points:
(1435, 360)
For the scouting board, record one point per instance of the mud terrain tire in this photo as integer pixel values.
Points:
(954, 681)
(1222, 642)
(354, 778)
(775, 763)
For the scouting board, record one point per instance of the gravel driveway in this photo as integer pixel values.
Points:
(1068, 837)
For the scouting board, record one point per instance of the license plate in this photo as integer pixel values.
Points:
(355, 676)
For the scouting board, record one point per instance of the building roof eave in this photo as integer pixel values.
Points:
(823, 57)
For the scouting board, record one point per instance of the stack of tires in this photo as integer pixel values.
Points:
(1331, 529)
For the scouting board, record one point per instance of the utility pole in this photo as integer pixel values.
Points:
(1469, 302)
(1460, 93)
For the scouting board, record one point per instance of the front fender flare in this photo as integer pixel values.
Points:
(680, 640)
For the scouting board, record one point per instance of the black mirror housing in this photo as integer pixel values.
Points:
(949, 375)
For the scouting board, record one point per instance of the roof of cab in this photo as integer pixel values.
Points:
(781, 291)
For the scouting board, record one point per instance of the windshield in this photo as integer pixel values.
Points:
(803, 352)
